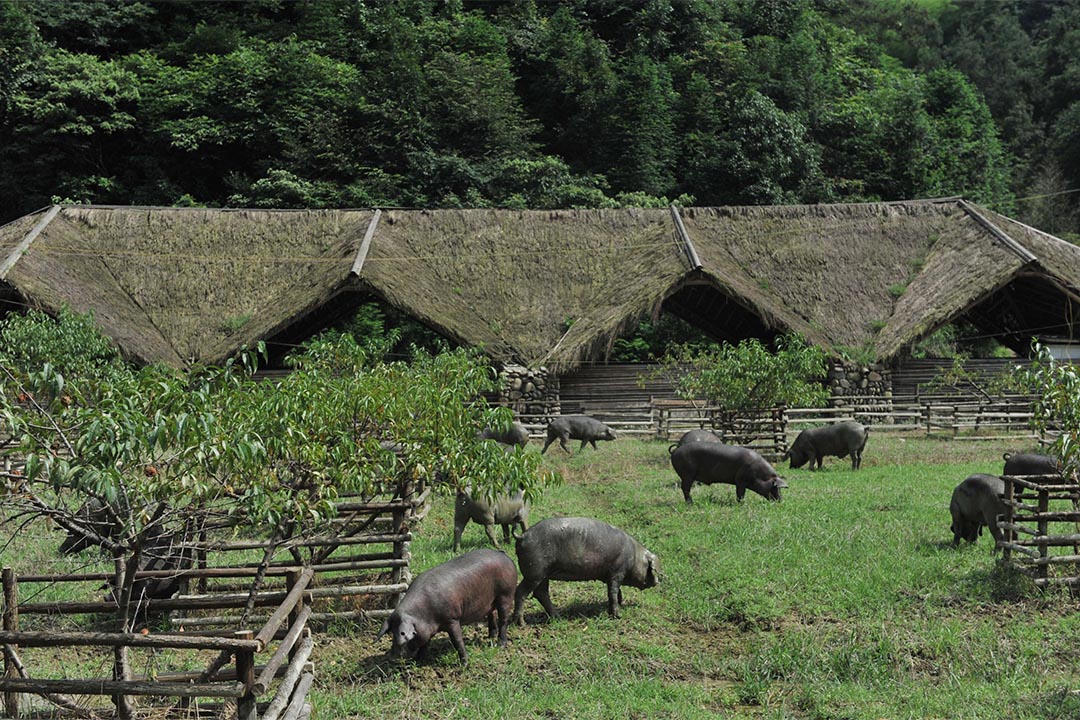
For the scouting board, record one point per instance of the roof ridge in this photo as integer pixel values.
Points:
(1005, 239)
(683, 236)
(24, 244)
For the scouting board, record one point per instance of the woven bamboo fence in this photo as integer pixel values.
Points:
(1041, 527)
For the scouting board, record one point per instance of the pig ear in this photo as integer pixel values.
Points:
(651, 559)
(385, 629)
(779, 482)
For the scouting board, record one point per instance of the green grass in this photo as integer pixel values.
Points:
(846, 600)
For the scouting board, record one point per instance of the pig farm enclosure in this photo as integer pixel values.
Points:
(845, 600)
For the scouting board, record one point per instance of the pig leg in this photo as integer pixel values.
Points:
(541, 593)
(562, 443)
(614, 596)
(687, 483)
(583, 443)
(492, 627)
(855, 460)
(459, 641)
(992, 526)
(550, 439)
(490, 530)
(506, 533)
(458, 529)
(524, 589)
(503, 607)
(740, 491)
(593, 443)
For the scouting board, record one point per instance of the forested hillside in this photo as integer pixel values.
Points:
(585, 103)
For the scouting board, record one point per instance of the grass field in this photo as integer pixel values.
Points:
(846, 600)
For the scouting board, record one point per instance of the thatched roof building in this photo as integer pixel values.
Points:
(548, 288)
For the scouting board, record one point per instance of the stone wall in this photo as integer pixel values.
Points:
(532, 393)
(868, 384)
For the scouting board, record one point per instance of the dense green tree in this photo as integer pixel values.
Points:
(68, 131)
(587, 103)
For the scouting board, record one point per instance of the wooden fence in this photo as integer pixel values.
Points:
(1000, 417)
(1006, 416)
(1042, 527)
(763, 431)
(245, 683)
(227, 595)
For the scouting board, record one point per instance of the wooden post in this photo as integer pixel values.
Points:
(245, 675)
(121, 667)
(1044, 550)
(11, 624)
(292, 578)
(1010, 517)
(200, 560)
(398, 525)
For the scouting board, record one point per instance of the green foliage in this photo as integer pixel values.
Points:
(168, 448)
(537, 105)
(958, 340)
(71, 344)
(1056, 388)
(652, 339)
(376, 323)
(748, 376)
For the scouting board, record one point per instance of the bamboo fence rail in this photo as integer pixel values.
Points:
(243, 683)
(368, 582)
(1042, 517)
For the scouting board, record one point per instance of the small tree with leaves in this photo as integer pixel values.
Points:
(160, 448)
(1055, 387)
(748, 377)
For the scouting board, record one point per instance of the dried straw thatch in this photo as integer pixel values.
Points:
(184, 285)
(533, 287)
(538, 287)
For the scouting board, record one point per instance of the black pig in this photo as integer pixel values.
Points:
(1031, 464)
(841, 440)
(506, 510)
(577, 427)
(577, 548)
(709, 463)
(515, 435)
(468, 589)
(977, 502)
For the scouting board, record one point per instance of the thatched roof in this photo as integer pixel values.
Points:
(537, 287)
(183, 285)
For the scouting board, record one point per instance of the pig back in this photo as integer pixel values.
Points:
(698, 436)
(464, 588)
(505, 508)
(713, 462)
(978, 497)
(838, 439)
(1031, 464)
(575, 548)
